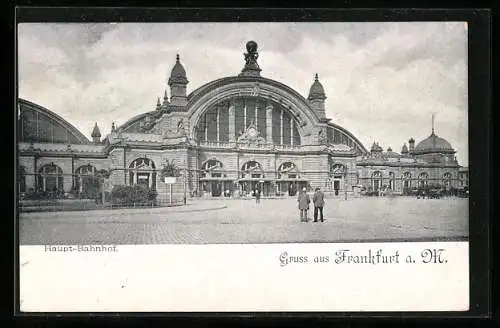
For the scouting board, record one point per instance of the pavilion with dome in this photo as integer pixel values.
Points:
(227, 137)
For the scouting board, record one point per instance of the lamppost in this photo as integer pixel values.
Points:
(345, 185)
(185, 183)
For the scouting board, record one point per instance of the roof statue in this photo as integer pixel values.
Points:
(251, 67)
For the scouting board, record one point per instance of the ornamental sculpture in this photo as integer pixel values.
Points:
(251, 67)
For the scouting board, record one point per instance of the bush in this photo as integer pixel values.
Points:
(130, 195)
(44, 195)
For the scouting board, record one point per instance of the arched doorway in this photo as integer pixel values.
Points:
(376, 180)
(288, 179)
(252, 177)
(422, 180)
(142, 171)
(337, 176)
(213, 179)
(86, 182)
(406, 178)
(50, 178)
(392, 180)
(447, 180)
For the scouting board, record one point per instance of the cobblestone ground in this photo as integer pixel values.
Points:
(244, 221)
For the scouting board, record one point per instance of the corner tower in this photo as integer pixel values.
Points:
(178, 83)
(317, 97)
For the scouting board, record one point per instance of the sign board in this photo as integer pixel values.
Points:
(169, 180)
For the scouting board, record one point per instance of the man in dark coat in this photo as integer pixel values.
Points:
(319, 203)
(303, 200)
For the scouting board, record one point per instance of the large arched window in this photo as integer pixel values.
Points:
(288, 170)
(142, 171)
(252, 169)
(422, 179)
(85, 180)
(21, 178)
(230, 120)
(376, 180)
(50, 178)
(212, 169)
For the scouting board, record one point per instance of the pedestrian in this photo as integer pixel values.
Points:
(319, 203)
(257, 196)
(303, 200)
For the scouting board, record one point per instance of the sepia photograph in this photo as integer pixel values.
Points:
(193, 150)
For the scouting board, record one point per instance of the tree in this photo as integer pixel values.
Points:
(169, 169)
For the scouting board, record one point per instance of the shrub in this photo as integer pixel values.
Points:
(130, 195)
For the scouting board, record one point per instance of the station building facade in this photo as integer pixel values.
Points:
(231, 135)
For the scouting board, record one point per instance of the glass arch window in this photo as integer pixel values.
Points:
(288, 170)
(50, 178)
(211, 169)
(142, 171)
(252, 169)
(228, 120)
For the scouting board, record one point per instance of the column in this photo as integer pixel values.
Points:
(231, 121)
(244, 115)
(291, 130)
(206, 127)
(217, 124)
(255, 114)
(150, 180)
(269, 123)
(281, 126)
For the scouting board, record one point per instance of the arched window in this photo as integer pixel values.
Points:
(211, 169)
(252, 169)
(288, 170)
(406, 178)
(392, 178)
(50, 178)
(85, 180)
(337, 169)
(447, 180)
(376, 180)
(422, 179)
(21, 178)
(142, 171)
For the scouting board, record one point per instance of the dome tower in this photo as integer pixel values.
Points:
(178, 82)
(317, 97)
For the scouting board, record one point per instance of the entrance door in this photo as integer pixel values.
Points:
(143, 179)
(376, 184)
(216, 189)
(336, 184)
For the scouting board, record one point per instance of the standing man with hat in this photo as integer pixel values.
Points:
(304, 201)
(319, 203)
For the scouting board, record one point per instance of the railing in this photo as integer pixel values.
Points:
(249, 145)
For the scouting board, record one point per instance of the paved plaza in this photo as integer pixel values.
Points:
(244, 221)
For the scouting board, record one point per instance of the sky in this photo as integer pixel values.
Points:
(383, 80)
